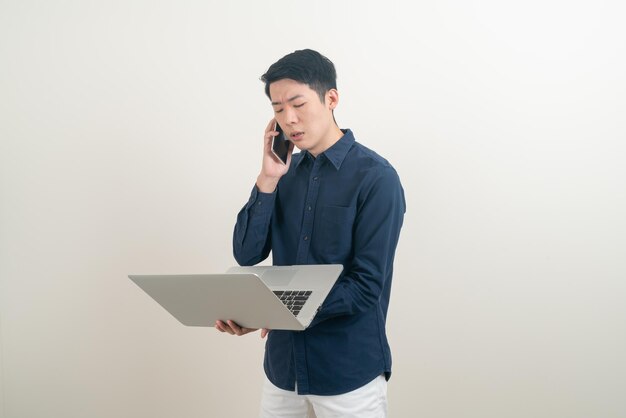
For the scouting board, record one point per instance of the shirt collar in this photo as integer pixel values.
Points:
(337, 152)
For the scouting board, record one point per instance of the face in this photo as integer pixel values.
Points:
(306, 121)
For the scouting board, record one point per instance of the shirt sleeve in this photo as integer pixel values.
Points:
(376, 231)
(252, 237)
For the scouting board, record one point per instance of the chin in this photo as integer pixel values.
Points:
(301, 147)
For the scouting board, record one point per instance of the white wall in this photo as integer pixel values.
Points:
(1, 375)
(130, 137)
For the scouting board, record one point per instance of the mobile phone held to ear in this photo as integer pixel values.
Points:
(280, 144)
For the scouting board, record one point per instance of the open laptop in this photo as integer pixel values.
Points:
(274, 297)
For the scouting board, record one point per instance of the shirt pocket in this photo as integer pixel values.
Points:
(336, 224)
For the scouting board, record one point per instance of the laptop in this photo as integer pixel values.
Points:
(273, 297)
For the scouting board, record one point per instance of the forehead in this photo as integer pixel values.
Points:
(286, 88)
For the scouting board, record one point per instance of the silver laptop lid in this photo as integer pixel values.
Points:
(241, 295)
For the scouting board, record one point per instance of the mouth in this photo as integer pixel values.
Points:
(296, 136)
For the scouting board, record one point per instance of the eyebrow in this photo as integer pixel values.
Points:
(297, 96)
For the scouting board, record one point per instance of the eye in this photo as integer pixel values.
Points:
(299, 105)
(278, 110)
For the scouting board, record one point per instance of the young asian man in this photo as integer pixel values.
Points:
(334, 202)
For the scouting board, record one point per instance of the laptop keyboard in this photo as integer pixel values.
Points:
(293, 299)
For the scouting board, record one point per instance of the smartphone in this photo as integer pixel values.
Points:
(280, 144)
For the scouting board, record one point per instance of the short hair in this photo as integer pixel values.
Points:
(304, 66)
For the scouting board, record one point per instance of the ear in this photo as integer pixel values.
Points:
(332, 98)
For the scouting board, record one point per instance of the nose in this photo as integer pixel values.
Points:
(291, 117)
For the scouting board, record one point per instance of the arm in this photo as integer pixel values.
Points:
(376, 231)
(251, 238)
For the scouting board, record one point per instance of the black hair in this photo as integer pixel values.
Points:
(305, 66)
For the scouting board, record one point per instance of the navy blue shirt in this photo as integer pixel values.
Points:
(344, 207)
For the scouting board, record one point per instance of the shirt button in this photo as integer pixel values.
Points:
(315, 178)
(306, 237)
(309, 208)
(259, 203)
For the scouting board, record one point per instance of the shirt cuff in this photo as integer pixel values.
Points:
(259, 202)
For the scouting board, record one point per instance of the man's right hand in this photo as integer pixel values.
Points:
(272, 169)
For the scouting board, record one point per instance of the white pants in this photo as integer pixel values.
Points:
(369, 401)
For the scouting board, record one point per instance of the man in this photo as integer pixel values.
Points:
(335, 202)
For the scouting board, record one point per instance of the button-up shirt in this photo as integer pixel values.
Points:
(344, 207)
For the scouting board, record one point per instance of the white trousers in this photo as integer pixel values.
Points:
(369, 401)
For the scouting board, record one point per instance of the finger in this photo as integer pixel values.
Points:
(267, 142)
(269, 136)
(227, 328)
(271, 128)
(264, 332)
(218, 326)
(221, 326)
(270, 132)
(236, 328)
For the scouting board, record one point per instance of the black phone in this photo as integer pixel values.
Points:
(280, 144)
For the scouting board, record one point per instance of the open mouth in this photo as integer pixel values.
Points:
(296, 136)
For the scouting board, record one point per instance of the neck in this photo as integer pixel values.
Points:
(333, 136)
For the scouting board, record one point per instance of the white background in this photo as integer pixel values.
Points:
(130, 136)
